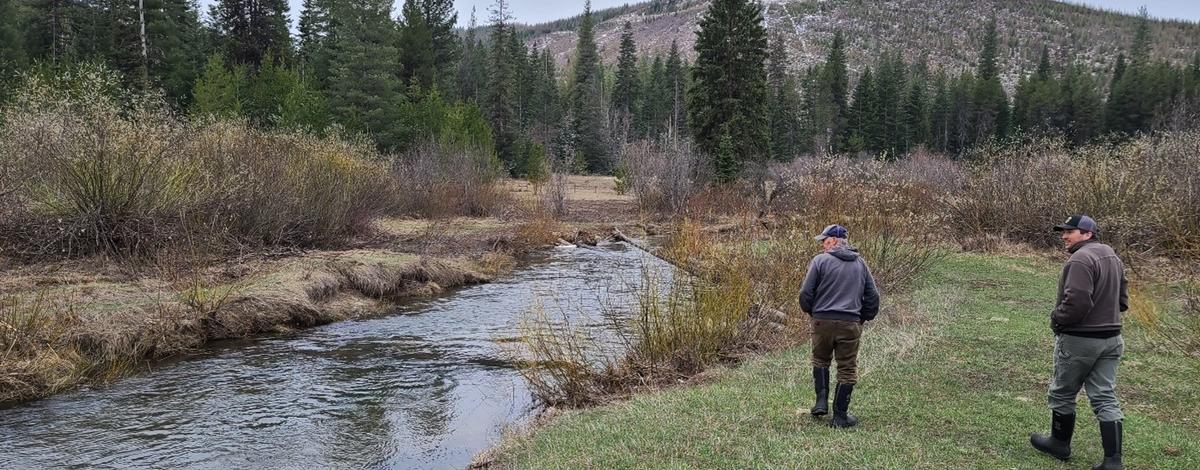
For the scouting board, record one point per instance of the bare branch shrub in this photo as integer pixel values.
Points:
(663, 176)
(437, 179)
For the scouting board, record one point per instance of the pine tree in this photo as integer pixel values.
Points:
(991, 110)
(916, 115)
(725, 161)
(1082, 112)
(417, 58)
(862, 126)
(253, 29)
(589, 123)
(503, 85)
(625, 93)
(826, 99)
(1130, 100)
(366, 94)
(219, 90)
(316, 40)
(441, 18)
(784, 106)
(940, 114)
(472, 67)
(730, 83)
(12, 46)
(676, 79)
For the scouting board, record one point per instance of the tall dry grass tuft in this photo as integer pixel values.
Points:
(34, 346)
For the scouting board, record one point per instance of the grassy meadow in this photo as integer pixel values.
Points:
(953, 375)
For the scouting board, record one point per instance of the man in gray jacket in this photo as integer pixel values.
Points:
(1092, 293)
(839, 293)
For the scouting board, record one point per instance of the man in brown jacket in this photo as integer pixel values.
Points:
(1092, 293)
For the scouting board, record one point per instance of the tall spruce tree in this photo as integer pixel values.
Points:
(940, 114)
(12, 46)
(625, 92)
(219, 91)
(729, 88)
(677, 80)
(441, 19)
(991, 112)
(589, 122)
(472, 67)
(863, 122)
(366, 94)
(417, 58)
(784, 106)
(1131, 98)
(502, 86)
(316, 40)
(829, 108)
(252, 29)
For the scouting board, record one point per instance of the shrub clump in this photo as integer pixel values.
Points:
(87, 172)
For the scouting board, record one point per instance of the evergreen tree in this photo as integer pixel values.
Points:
(441, 18)
(784, 106)
(366, 94)
(676, 79)
(916, 115)
(1038, 100)
(962, 112)
(991, 112)
(503, 85)
(316, 40)
(252, 29)
(725, 161)
(52, 33)
(730, 83)
(625, 93)
(219, 90)
(12, 46)
(417, 59)
(826, 99)
(589, 123)
(1131, 100)
(1082, 112)
(472, 68)
(940, 114)
(862, 127)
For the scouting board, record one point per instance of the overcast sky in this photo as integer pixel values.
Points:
(539, 11)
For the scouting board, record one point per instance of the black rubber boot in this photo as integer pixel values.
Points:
(821, 385)
(841, 406)
(1058, 443)
(1112, 439)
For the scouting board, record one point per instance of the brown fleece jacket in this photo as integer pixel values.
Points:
(1092, 291)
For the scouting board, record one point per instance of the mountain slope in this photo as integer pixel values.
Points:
(950, 32)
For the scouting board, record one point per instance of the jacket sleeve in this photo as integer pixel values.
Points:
(1124, 292)
(808, 290)
(1077, 295)
(870, 299)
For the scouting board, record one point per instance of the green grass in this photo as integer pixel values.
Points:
(961, 387)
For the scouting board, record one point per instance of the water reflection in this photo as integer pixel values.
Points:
(426, 387)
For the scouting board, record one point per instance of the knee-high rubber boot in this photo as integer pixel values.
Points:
(821, 385)
(1058, 443)
(1112, 439)
(841, 407)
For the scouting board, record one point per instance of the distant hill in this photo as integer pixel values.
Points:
(949, 31)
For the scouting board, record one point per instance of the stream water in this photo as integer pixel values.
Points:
(426, 386)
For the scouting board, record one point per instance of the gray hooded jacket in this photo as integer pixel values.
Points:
(839, 286)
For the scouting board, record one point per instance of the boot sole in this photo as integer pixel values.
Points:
(819, 412)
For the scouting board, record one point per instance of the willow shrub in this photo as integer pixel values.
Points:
(92, 173)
